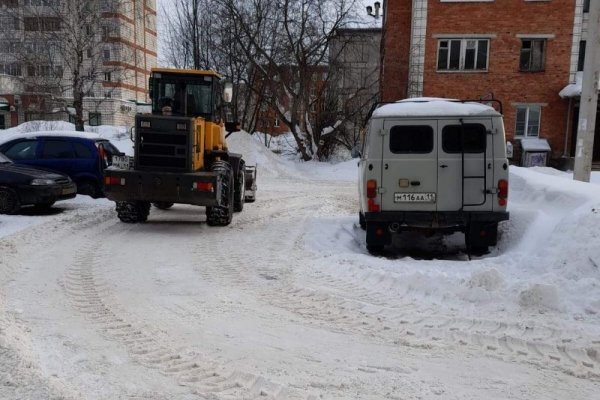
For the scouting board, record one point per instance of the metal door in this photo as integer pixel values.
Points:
(409, 165)
(465, 164)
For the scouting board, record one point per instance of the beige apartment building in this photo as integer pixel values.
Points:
(117, 64)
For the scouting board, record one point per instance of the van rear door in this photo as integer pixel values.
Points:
(409, 165)
(463, 183)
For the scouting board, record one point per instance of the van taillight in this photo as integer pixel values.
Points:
(371, 188)
(502, 192)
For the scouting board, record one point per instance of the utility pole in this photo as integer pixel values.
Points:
(589, 98)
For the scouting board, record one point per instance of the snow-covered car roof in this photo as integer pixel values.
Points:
(434, 107)
(29, 135)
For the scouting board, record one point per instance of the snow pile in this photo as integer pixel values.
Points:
(547, 259)
(275, 166)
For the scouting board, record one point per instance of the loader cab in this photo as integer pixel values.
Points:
(186, 93)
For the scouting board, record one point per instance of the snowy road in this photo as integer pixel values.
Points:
(286, 303)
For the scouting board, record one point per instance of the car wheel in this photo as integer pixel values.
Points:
(90, 188)
(9, 201)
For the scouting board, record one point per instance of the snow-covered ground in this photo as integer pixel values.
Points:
(286, 302)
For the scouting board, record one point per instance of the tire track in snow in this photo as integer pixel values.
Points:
(151, 348)
(348, 306)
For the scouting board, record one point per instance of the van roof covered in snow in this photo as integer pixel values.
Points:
(434, 107)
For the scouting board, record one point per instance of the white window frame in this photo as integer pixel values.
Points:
(527, 108)
(463, 49)
(276, 123)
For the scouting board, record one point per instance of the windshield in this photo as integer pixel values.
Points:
(4, 159)
(186, 98)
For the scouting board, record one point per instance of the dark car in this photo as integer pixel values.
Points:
(21, 185)
(83, 158)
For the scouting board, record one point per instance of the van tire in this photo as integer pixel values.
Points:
(477, 244)
(375, 249)
(361, 221)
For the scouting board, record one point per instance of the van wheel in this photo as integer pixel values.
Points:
(375, 249)
(361, 221)
(475, 242)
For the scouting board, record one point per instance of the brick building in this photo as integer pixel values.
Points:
(125, 50)
(521, 52)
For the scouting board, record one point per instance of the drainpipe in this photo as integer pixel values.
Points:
(567, 129)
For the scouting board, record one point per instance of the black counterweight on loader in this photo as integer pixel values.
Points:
(180, 153)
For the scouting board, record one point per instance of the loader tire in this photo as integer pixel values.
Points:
(132, 212)
(240, 189)
(223, 214)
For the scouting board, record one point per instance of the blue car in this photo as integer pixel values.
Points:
(83, 157)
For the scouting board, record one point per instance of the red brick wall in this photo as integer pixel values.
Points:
(505, 19)
(396, 46)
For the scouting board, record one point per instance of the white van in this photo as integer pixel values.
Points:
(433, 165)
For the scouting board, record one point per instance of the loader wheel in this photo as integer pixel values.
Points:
(9, 201)
(131, 212)
(222, 215)
(162, 205)
(240, 189)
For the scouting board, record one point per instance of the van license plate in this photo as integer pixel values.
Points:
(414, 197)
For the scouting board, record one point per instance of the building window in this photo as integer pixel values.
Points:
(586, 6)
(532, 55)
(581, 59)
(106, 54)
(528, 121)
(9, 3)
(107, 76)
(276, 123)
(43, 24)
(463, 54)
(107, 95)
(95, 119)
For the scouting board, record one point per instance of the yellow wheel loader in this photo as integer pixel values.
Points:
(180, 152)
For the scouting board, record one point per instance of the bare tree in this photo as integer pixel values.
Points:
(286, 42)
(200, 34)
(66, 47)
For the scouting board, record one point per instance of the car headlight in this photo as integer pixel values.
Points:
(41, 182)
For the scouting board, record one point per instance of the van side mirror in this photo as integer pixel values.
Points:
(132, 133)
(228, 92)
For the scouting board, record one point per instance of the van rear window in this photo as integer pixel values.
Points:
(474, 138)
(411, 139)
